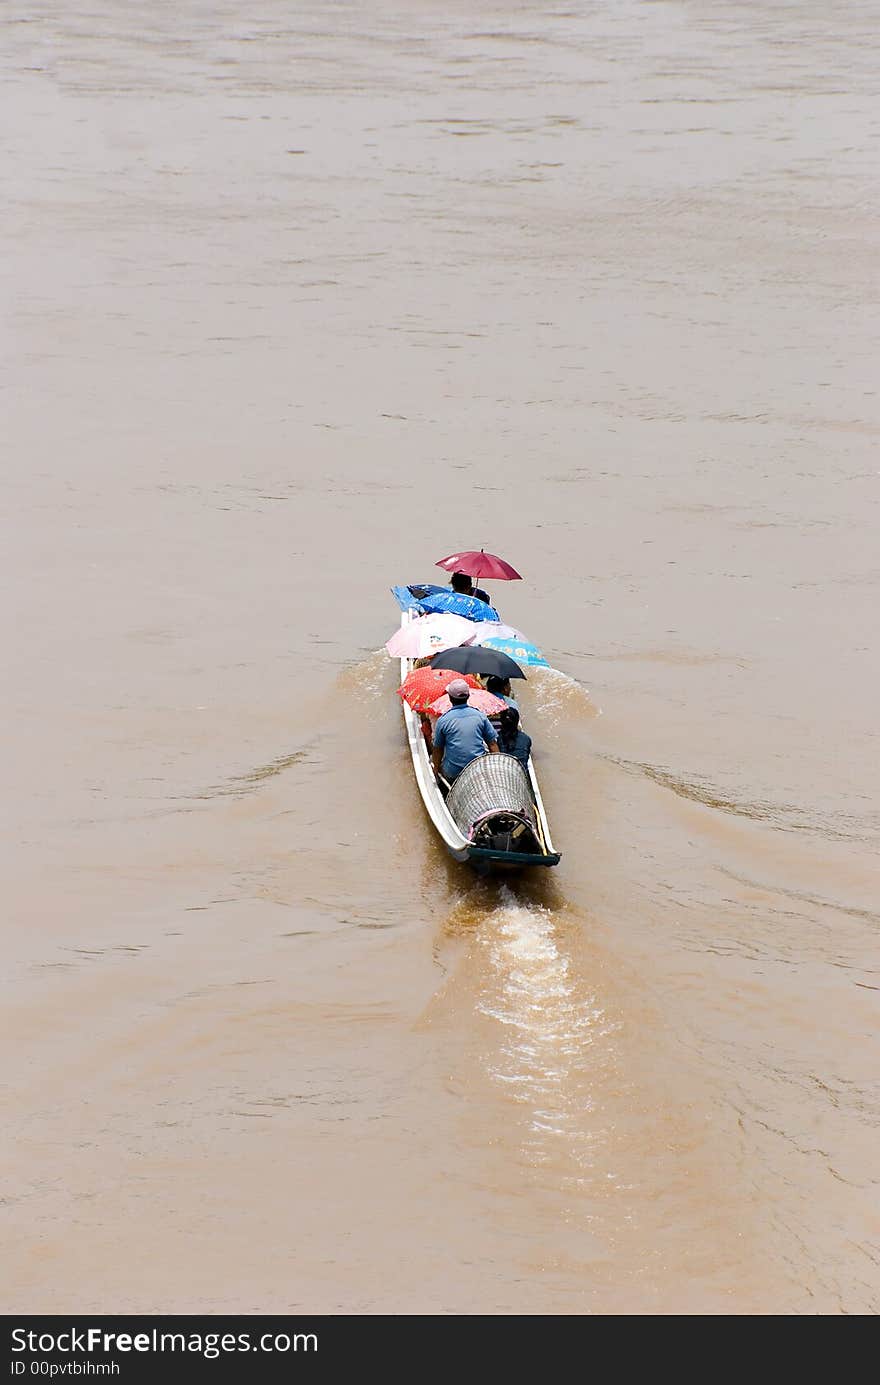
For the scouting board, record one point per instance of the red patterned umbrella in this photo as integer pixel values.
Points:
(481, 564)
(422, 686)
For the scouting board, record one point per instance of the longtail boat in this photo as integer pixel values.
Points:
(493, 815)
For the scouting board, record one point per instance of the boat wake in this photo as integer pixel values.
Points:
(544, 1051)
(557, 697)
(370, 676)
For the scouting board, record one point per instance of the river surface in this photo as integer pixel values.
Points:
(299, 298)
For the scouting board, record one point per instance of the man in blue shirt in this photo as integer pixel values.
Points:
(462, 733)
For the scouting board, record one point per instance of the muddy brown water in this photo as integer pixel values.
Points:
(297, 300)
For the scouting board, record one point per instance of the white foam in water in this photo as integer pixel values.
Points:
(558, 696)
(372, 675)
(543, 1059)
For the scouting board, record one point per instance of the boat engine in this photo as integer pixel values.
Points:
(491, 802)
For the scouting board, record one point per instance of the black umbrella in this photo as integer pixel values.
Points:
(478, 658)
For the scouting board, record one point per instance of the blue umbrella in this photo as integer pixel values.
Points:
(459, 605)
(520, 650)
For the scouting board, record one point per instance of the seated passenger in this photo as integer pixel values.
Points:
(462, 734)
(511, 740)
(500, 687)
(463, 584)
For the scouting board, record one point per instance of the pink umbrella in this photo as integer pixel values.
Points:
(480, 564)
(429, 634)
(483, 701)
(491, 629)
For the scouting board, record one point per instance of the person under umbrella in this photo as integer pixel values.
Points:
(461, 734)
(463, 584)
(465, 566)
(500, 687)
(511, 739)
(480, 565)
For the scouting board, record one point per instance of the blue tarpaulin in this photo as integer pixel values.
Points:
(404, 598)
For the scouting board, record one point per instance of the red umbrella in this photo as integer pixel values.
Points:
(480, 564)
(422, 686)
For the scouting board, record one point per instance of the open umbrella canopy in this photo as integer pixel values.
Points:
(523, 651)
(487, 630)
(430, 633)
(481, 564)
(477, 658)
(484, 702)
(422, 686)
(457, 604)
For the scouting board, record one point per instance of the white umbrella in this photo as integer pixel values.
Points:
(493, 630)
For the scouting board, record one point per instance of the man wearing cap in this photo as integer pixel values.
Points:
(462, 733)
